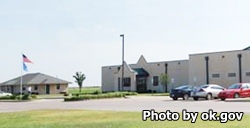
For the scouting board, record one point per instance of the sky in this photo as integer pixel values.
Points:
(62, 37)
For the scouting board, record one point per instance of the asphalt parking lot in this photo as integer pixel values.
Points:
(133, 103)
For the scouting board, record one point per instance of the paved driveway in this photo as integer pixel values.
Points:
(137, 103)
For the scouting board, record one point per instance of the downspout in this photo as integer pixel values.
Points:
(240, 68)
(207, 70)
(166, 72)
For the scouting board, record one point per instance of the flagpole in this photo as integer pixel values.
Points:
(21, 80)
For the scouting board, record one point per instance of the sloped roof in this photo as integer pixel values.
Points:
(141, 72)
(35, 78)
(247, 48)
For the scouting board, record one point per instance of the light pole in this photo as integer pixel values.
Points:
(122, 35)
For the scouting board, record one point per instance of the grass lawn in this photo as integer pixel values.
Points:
(101, 119)
(86, 90)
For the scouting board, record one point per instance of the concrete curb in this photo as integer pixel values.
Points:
(238, 100)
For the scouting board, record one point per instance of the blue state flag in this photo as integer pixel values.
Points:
(25, 67)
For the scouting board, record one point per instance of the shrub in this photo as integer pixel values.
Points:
(5, 97)
(33, 96)
(100, 96)
(97, 92)
(26, 97)
(66, 94)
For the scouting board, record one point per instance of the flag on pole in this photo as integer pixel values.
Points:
(25, 59)
(25, 67)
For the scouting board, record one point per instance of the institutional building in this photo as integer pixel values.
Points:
(223, 68)
(37, 82)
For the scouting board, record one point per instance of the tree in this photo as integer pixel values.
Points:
(79, 77)
(164, 79)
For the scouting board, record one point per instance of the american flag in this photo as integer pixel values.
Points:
(25, 59)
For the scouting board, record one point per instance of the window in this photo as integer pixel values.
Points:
(58, 86)
(35, 87)
(244, 86)
(217, 87)
(247, 73)
(126, 82)
(23, 88)
(204, 86)
(234, 86)
(231, 74)
(155, 80)
(216, 75)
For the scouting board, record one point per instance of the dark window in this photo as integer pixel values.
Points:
(184, 87)
(156, 80)
(127, 82)
(247, 73)
(231, 74)
(215, 75)
(204, 86)
(234, 86)
(24, 88)
(58, 86)
(35, 87)
(217, 87)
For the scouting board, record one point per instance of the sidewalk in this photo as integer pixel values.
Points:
(238, 100)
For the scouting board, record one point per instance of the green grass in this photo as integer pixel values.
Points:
(85, 90)
(101, 119)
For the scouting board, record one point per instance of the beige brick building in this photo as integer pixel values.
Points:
(144, 76)
(223, 68)
(38, 83)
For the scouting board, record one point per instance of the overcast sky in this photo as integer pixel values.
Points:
(65, 36)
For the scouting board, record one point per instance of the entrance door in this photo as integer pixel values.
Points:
(47, 89)
(141, 83)
(12, 89)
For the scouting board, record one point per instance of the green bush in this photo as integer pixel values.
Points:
(100, 96)
(6, 97)
(97, 92)
(14, 97)
(26, 97)
(17, 97)
(33, 96)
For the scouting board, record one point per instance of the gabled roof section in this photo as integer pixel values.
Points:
(141, 72)
(142, 60)
(35, 78)
(128, 67)
(247, 48)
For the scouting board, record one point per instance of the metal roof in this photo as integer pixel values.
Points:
(141, 72)
(35, 78)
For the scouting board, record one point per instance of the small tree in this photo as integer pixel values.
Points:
(79, 77)
(164, 79)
